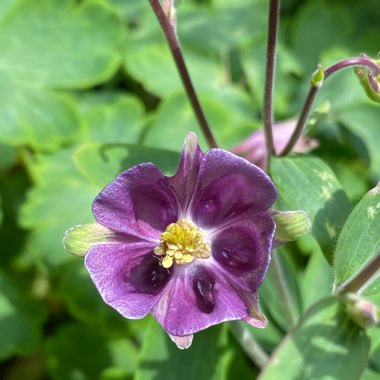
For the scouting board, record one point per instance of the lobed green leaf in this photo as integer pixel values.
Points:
(306, 183)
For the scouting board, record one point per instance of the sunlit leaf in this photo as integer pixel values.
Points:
(359, 240)
(324, 345)
(307, 183)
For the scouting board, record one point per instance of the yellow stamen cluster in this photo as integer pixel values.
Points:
(181, 243)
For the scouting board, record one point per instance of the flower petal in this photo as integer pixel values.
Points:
(229, 187)
(196, 299)
(242, 250)
(139, 201)
(182, 342)
(185, 178)
(127, 276)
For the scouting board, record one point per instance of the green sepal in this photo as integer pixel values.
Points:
(290, 225)
(79, 239)
(372, 90)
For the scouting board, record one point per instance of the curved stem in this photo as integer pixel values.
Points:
(361, 278)
(283, 289)
(301, 121)
(355, 61)
(345, 63)
(175, 49)
(273, 17)
(249, 345)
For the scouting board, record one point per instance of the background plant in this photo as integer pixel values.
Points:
(89, 88)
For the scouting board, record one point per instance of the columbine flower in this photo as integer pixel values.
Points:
(253, 148)
(192, 249)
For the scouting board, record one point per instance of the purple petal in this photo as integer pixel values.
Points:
(139, 201)
(128, 277)
(184, 180)
(183, 309)
(254, 149)
(242, 250)
(229, 187)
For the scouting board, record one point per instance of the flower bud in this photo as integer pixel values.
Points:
(290, 225)
(369, 81)
(362, 311)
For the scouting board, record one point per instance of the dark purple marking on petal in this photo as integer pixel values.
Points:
(229, 187)
(110, 267)
(154, 206)
(242, 249)
(203, 285)
(237, 250)
(140, 202)
(179, 309)
(149, 276)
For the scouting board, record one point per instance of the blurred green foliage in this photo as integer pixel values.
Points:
(87, 89)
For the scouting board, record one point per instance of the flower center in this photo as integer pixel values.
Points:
(181, 243)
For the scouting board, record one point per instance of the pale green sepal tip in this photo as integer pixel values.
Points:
(364, 312)
(79, 239)
(290, 225)
(362, 75)
(318, 77)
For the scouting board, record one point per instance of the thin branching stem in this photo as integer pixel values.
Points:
(362, 61)
(273, 19)
(361, 278)
(283, 289)
(248, 343)
(175, 49)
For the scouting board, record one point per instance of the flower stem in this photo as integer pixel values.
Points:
(301, 120)
(175, 49)
(249, 345)
(273, 18)
(360, 279)
(283, 289)
(363, 61)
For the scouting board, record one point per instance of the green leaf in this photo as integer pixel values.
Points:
(84, 48)
(8, 156)
(317, 281)
(288, 67)
(61, 188)
(353, 26)
(83, 42)
(359, 240)
(85, 303)
(370, 375)
(226, 24)
(101, 163)
(76, 352)
(21, 319)
(229, 113)
(307, 183)
(162, 78)
(118, 119)
(30, 115)
(363, 121)
(161, 358)
(1, 212)
(270, 292)
(60, 199)
(324, 345)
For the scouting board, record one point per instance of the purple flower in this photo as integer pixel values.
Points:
(253, 148)
(192, 249)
